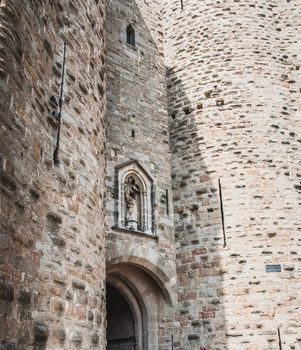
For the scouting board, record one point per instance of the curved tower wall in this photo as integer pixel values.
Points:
(234, 81)
(52, 266)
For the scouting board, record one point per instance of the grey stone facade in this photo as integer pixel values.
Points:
(177, 188)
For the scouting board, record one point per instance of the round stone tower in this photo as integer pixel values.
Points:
(52, 267)
(234, 81)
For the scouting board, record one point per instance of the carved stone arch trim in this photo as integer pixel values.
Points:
(138, 165)
(146, 210)
(160, 269)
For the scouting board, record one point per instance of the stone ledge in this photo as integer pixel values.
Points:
(137, 233)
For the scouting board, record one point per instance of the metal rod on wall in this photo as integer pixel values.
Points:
(167, 201)
(57, 148)
(222, 211)
(279, 339)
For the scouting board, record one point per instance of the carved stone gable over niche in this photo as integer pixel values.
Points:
(134, 200)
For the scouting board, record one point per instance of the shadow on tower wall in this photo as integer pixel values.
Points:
(198, 226)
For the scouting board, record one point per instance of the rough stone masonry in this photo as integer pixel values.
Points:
(52, 265)
(192, 109)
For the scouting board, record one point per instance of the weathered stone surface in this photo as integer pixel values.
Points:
(41, 332)
(24, 298)
(233, 103)
(6, 292)
(48, 218)
(138, 131)
(208, 102)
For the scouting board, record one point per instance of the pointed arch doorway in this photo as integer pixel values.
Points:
(122, 332)
(140, 291)
(128, 320)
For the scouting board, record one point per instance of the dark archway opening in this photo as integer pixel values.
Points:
(120, 322)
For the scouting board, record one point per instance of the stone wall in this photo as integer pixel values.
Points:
(52, 266)
(234, 107)
(137, 116)
(229, 116)
(138, 130)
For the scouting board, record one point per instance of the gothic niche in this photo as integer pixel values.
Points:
(134, 205)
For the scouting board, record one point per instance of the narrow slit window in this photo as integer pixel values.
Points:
(130, 35)
(167, 202)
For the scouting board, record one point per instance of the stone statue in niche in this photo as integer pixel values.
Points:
(133, 203)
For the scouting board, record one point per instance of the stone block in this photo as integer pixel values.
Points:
(24, 298)
(6, 292)
(41, 331)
